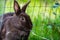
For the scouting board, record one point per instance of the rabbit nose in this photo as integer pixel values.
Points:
(8, 33)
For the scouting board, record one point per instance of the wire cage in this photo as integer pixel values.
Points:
(45, 15)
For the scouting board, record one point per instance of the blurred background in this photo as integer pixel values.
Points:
(45, 15)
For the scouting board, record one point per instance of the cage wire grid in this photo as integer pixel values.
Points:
(44, 9)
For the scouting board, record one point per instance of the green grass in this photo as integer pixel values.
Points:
(46, 25)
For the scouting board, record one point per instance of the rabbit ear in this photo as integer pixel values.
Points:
(17, 7)
(25, 6)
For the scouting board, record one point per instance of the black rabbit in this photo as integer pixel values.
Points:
(17, 25)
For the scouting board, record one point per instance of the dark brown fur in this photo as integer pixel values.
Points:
(16, 26)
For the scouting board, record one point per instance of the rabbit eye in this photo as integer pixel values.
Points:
(22, 18)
